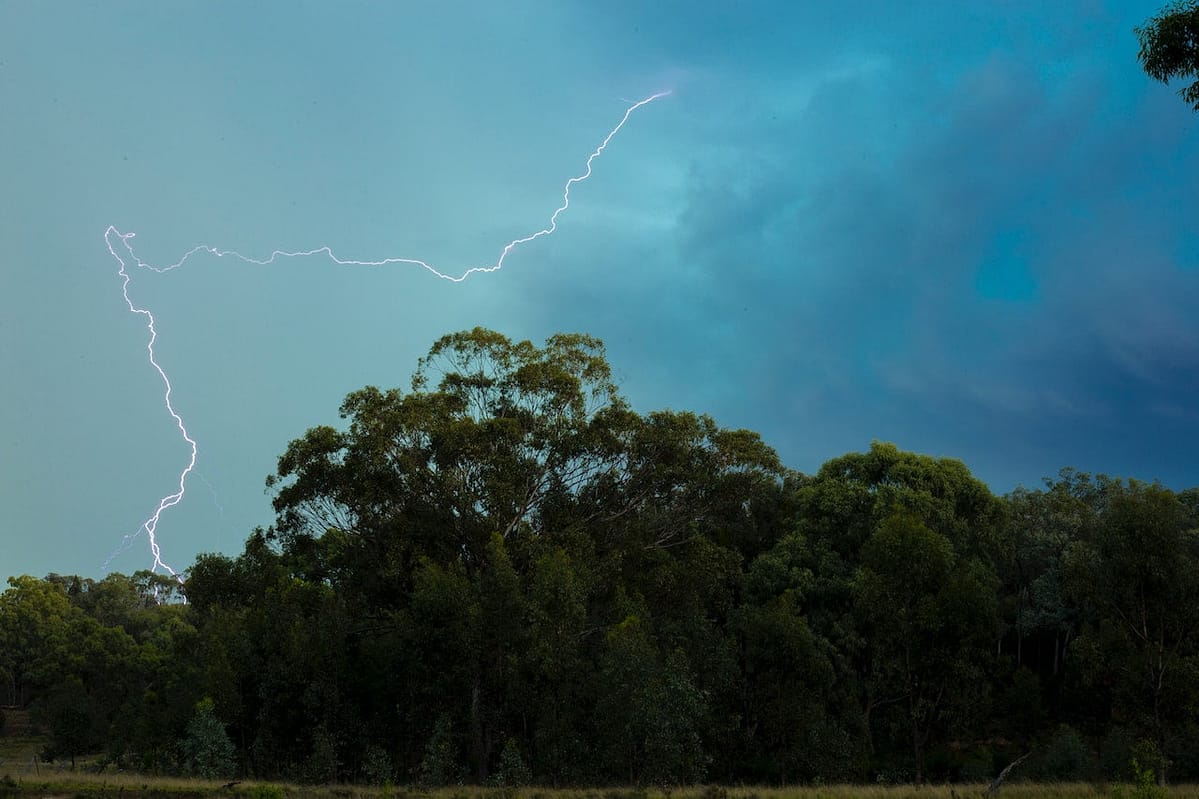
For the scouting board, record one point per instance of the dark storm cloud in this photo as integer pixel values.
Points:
(994, 275)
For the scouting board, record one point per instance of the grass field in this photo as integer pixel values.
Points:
(82, 785)
(19, 743)
(22, 774)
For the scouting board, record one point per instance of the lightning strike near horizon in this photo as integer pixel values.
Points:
(111, 234)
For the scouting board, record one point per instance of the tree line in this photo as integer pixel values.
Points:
(507, 575)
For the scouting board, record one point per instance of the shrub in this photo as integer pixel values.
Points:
(1115, 753)
(440, 765)
(1067, 757)
(321, 767)
(513, 771)
(206, 749)
(1144, 785)
(376, 766)
(1149, 756)
(978, 765)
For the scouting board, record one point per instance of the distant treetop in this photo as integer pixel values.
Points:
(1170, 47)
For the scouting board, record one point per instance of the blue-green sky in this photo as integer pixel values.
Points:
(966, 227)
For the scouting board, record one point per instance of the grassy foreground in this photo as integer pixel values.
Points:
(83, 785)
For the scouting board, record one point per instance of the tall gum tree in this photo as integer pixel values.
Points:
(1139, 579)
(509, 472)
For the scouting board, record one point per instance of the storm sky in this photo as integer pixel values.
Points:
(968, 228)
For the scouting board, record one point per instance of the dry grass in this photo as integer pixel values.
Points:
(19, 742)
(82, 785)
(18, 751)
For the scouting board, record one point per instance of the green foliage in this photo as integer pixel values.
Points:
(35, 622)
(1144, 784)
(507, 576)
(1170, 47)
(1148, 758)
(1067, 758)
(977, 766)
(441, 764)
(321, 765)
(1115, 753)
(513, 771)
(926, 611)
(377, 768)
(206, 749)
(263, 791)
(650, 710)
(1138, 578)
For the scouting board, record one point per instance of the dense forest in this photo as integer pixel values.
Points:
(506, 575)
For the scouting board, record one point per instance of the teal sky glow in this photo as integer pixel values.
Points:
(967, 228)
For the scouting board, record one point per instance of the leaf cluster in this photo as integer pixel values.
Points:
(1170, 47)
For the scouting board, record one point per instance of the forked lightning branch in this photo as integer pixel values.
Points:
(120, 246)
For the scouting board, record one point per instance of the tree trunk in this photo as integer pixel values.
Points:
(917, 753)
(476, 731)
(917, 744)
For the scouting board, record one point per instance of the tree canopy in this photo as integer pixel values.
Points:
(507, 575)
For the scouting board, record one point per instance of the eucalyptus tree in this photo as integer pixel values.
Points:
(481, 527)
(1138, 581)
(1170, 47)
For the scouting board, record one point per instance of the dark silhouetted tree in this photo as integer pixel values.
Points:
(1170, 47)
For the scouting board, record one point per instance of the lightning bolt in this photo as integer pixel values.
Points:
(118, 242)
(150, 525)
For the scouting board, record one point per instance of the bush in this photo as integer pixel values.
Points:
(1115, 753)
(978, 765)
(1067, 758)
(206, 749)
(1148, 755)
(440, 765)
(513, 771)
(376, 766)
(1144, 785)
(321, 767)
